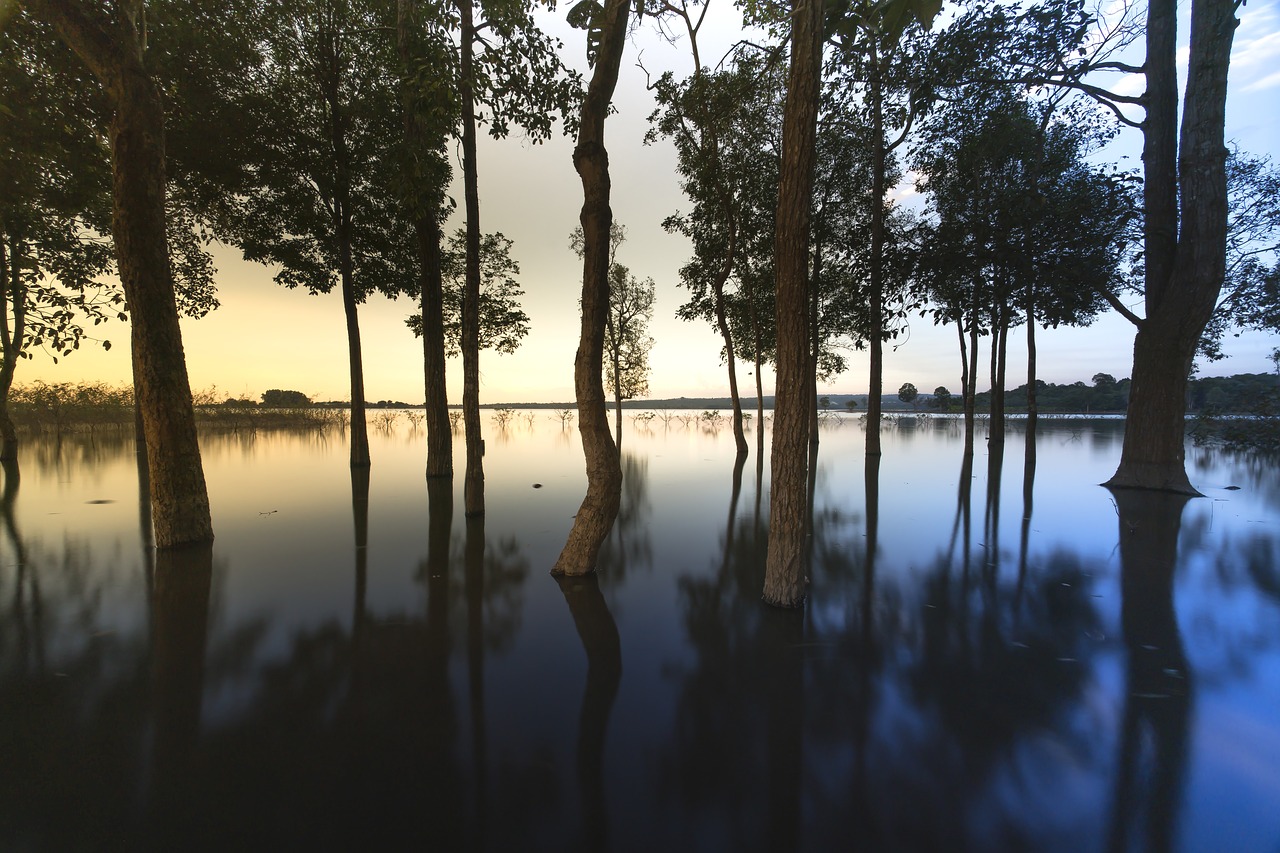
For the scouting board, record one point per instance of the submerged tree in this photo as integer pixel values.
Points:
(626, 339)
(606, 28)
(429, 111)
(318, 196)
(111, 42)
(508, 73)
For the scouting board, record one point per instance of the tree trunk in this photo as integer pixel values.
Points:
(473, 486)
(1033, 404)
(112, 49)
(999, 344)
(359, 428)
(439, 430)
(966, 399)
(784, 581)
(811, 378)
(604, 471)
(722, 323)
(12, 299)
(1184, 270)
(426, 226)
(875, 297)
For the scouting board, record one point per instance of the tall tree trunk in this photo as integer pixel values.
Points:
(439, 430)
(1184, 270)
(999, 350)
(784, 581)
(473, 485)
(966, 394)
(604, 471)
(875, 297)
(342, 226)
(112, 49)
(811, 375)
(1033, 403)
(359, 428)
(426, 225)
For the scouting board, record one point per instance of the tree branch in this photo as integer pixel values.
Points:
(1121, 309)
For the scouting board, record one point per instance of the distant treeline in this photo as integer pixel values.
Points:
(1242, 394)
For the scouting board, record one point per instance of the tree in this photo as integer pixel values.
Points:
(509, 67)
(317, 193)
(111, 44)
(606, 28)
(1185, 207)
(941, 399)
(908, 393)
(430, 113)
(502, 322)
(713, 120)
(626, 339)
(784, 581)
(883, 78)
(284, 399)
(54, 207)
(56, 261)
(1184, 204)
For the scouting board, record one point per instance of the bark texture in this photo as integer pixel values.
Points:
(111, 46)
(1185, 240)
(473, 485)
(784, 582)
(600, 506)
(12, 299)
(430, 279)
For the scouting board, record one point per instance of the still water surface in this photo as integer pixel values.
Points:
(992, 657)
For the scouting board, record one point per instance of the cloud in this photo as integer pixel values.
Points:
(1256, 51)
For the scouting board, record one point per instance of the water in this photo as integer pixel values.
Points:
(980, 665)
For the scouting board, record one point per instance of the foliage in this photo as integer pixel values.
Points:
(627, 342)
(908, 393)
(316, 194)
(284, 398)
(56, 258)
(503, 324)
(941, 399)
(1251, 292)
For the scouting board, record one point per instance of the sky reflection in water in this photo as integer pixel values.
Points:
(979, 665)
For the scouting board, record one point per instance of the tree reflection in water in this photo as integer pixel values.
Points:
(600, 640)
(936, 692)
(1158, 695)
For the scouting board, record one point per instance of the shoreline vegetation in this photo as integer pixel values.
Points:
(1241, 411)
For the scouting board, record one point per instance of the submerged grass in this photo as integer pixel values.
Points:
(62, 407)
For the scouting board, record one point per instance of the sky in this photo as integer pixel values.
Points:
(265, 336)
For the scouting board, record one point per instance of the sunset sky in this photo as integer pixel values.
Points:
(265, 336)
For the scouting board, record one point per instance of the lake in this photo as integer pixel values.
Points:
(987, 660)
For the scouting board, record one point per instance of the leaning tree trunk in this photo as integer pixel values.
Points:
(1184, 273)
(473, 486)
(604, 471)
(359, 428)
(784, 581)
(426, 224)
(112, 48)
